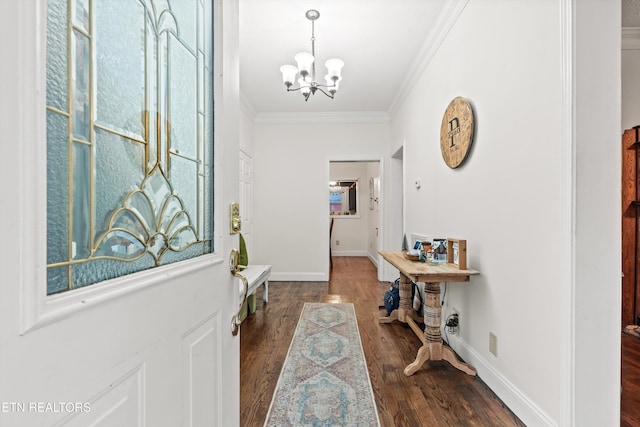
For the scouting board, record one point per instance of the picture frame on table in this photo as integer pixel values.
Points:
(457, 253)
(440, 250)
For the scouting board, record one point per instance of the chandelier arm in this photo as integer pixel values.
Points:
(289, 89)
(318, 85)
(318, 88)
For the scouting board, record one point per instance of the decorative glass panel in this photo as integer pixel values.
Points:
(120, 58)
(57, 279)
(81, 243)
(57, 188)
(184, 175)
(88, 273)
(119, 164)
(57, 64)
(81, 15)
(130, 184)
(152, 95)
(183, 97)
(185, 13)
(81, 60)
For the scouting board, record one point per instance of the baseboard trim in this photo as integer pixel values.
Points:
(298, 277)
(373, 259)
(349, 253)
(525, 409)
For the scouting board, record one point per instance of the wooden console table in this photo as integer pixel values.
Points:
(431, 274)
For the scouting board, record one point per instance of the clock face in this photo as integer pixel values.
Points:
(456, 132)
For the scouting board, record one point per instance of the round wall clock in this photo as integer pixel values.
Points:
(456, 132)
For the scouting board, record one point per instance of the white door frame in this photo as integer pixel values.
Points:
(381, 230)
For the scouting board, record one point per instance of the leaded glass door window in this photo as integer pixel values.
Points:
(129, 137)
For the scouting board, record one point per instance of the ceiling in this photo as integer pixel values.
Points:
(378, 40)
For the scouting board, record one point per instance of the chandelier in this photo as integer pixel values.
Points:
(307, 84)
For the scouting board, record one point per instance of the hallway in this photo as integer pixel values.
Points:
(437, 394)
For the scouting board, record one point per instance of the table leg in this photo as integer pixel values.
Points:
(433, 349)
(405, 306)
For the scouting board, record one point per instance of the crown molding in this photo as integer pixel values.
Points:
(446, 20)
(630, 38)
(323, 117)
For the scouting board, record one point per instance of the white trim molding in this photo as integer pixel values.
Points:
(446, 20)
(528, 412)
(631, 38)
(373, 259)
(350, 253)
(40, 310)
(325, 117)
(298, 277)
(566, 335)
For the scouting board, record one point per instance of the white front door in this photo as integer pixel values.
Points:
(152, 348)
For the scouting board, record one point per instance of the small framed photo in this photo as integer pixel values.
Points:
(440, 250)
(457, 253)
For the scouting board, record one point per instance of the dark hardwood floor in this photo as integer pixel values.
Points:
(437, 395)
(630, 398)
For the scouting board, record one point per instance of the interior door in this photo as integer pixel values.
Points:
(151, 348)
(630, 227)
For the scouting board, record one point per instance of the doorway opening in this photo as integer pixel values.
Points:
(631, 231)
(354, 202)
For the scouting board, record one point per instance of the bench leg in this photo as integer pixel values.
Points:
(265, 295)
(251, 303)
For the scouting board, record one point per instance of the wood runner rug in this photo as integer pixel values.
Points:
(324, 379)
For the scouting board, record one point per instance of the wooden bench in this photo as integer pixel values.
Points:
(257, 275)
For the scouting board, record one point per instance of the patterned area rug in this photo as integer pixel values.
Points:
(324, 379)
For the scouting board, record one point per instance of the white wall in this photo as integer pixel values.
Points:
(246, 131)
(245, 198)
(597, 212)
(512, 199)
(291, 229)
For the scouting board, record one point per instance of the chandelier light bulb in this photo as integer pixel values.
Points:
(334, 67)
(304, 61)
(305, 87)
(289, 73)
(332, 83)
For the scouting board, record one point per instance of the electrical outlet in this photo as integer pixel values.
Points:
(453, 322)
(493, 344)
(337, 242)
